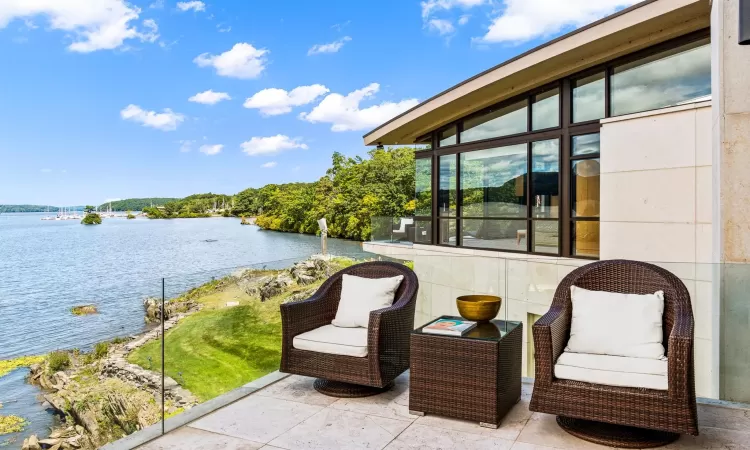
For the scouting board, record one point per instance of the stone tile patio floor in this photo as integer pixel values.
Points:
(290, 414)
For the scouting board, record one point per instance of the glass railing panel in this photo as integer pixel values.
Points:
(223, 328)
(397, 230)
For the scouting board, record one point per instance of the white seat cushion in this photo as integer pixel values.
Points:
(613, 370)
(334, 341)
(608, 323)
(360, 296)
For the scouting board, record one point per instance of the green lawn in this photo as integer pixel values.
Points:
(216, 350)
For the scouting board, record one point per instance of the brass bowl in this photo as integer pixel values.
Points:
(479, 308)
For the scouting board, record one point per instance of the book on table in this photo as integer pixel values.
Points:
(449, 327)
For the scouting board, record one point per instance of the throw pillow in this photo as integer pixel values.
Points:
(360, 296)
(608, 323)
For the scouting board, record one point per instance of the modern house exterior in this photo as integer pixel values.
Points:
(626, 139)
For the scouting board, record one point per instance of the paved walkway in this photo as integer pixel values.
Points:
(291, 415)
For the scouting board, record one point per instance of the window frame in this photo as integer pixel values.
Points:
(565, 131)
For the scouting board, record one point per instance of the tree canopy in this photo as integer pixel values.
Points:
(353, 191)
(136, 204)
(92, 219)
(197, 205)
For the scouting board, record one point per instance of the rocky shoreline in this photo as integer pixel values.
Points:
(103, 397)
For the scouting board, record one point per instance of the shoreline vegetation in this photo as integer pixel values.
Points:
(219, 336)
(353, 191)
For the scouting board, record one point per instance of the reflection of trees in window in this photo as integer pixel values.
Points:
(493, 182)
(665, 79)
(447, 191)
(423, 182)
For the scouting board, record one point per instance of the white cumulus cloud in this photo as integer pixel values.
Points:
(271, 145)
(209, 97)
(442, 26)
(332, 47)
(273, 102)
(167, 120)
(193, 5)
(92, 24)
(243, 61)
(524, 20)
(345, 114)
(269, 165)
(211, 149)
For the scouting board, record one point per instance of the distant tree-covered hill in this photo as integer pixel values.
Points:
(137, 204)
(35, 208)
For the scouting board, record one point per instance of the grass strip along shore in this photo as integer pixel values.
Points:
(220, 336)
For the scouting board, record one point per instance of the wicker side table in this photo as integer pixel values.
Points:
(474, 377)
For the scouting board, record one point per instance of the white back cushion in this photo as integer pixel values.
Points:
(607, 323)
(359, 296)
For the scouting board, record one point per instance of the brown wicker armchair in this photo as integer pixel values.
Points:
(388, 335)
(619, 416)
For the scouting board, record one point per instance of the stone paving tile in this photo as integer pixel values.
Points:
(257, 418)
(714, 439)
(542, 429)
(511, 426)
(427, 438)
(191, 438)
(334, 429)
(298, 389)
(525, 446)
(393, 404)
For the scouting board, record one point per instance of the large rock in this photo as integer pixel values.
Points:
(310, 271)
(273, 286)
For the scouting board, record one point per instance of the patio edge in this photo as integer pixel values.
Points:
(153, 432)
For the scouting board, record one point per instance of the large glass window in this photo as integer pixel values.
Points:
(672, 77)
(447, 136)
(447, 192)
(589, 98)
(494, 234)
(545, 110)
(525, 174)
(505, 121)
(493, 182)
(545, 179)
(423, 184)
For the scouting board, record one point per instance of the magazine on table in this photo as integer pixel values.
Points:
(449, 327)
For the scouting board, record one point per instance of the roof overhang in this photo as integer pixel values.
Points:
(632, 29)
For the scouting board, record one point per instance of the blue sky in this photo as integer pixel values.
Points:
(103, 99)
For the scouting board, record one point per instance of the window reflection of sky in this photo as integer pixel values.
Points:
(509, 120)
(666, 79)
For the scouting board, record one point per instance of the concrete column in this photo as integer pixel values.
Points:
(731, 165)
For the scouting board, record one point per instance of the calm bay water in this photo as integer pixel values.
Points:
(47, 267)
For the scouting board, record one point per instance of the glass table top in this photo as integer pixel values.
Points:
(494, 330)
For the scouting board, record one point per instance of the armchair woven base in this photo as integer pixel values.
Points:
(347, 390)
(611, 435)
